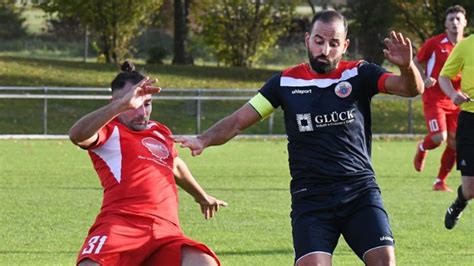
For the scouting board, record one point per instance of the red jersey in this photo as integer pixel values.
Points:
(434, 53)
(136, 170)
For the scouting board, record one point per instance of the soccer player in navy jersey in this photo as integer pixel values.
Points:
(326, 104)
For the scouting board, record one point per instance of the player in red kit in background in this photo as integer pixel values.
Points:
(138, 167)
(441, 114)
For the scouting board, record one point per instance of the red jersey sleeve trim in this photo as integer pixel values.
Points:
(381, 82)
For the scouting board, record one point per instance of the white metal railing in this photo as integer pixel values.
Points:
(197, 95)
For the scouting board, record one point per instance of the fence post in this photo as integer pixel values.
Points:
(410, 116)
(45, 111)
(86, 43)
(198, 113)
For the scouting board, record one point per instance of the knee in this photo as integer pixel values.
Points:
(381, 261)
(384, 256)
(439, 138)
(192, 256)
(315, 259)
(88, 262)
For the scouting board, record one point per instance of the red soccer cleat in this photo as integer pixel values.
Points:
(419, 161)
(441, 186)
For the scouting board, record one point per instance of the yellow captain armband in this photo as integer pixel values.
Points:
(263, 107)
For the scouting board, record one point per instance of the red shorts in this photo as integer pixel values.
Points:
(135, 240)
(441, 118)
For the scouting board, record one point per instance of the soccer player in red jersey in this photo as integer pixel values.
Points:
(441, 113)
(138, 167)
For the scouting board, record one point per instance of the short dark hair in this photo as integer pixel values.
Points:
(455, 9)
(128, 74)
(328, 16)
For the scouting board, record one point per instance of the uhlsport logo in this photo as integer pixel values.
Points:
(386, 238)
(156, 148)
(343, 89)
(298, 91)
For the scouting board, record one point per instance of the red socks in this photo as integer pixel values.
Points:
(447, 163)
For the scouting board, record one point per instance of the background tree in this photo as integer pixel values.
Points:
(240, 31)
(115, 21)
(324, 4)
(423, 19)
(370, 23)
(182, 55)
(10, 20)
(61, 28)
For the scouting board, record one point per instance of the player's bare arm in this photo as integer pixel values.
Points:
(427, 81)
(399, 52)
(447, 87)
(185, 180)
(84, 132)
(222, 131)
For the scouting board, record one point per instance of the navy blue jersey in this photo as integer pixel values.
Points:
(328, 123)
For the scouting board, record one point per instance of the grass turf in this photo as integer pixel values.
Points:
(49, 196)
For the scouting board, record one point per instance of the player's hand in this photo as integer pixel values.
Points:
(210, 206)
(459, 98)
(399, 50)
(429, 81)
(140, 92)
(195, 144)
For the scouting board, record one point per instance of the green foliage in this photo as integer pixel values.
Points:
(11, 21)
(156, 55)
(240, 31)
(422, 19)
(61, 28)
(369, 25)
(50, 195)
(285, 55)
(371, 20)
(116, 22)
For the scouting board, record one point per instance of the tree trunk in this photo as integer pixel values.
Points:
(181, 56)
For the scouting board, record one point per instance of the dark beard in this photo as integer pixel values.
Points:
(321, 67)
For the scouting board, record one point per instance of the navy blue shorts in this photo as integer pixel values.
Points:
(362, 222)
(465, 143)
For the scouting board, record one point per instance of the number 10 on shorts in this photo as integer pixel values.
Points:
(95, 245)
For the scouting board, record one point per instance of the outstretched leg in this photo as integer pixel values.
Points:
(465, 193)
(431, 141)
(381, 256)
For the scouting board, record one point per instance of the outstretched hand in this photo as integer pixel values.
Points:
(195, 144)
(459, 98)
(399, 50)
(210, 206)
(141, 92)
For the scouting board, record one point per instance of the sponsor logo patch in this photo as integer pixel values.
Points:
(156, 148)
(343, 89)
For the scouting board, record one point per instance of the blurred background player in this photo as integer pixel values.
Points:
(461, 61)
(138, 167)
(326, 104)
(440, 113)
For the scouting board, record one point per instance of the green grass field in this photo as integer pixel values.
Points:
(49, 196)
